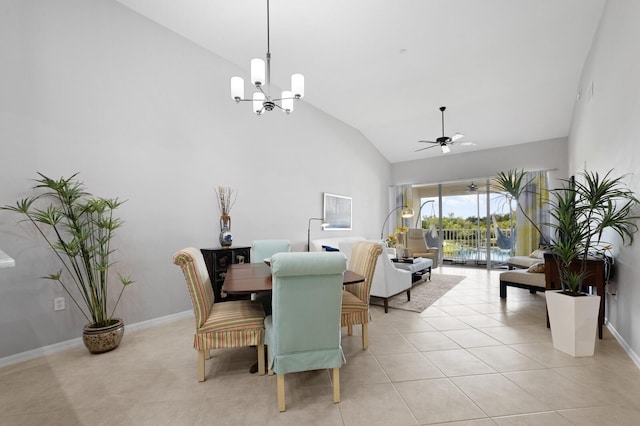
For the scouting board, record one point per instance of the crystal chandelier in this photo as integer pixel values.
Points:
(261, 79)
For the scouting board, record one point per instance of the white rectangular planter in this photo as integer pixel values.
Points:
(574, 322)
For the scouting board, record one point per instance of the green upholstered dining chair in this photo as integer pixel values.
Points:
(219, 325)
(355, 297)
(303, 333)
(261, 250)
(264, 249)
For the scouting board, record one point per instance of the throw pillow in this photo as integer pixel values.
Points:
(537, 254)
(329, 248)
(536, 268)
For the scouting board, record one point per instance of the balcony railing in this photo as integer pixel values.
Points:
(470, 245)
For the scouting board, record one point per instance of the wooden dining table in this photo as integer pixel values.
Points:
(247, 278)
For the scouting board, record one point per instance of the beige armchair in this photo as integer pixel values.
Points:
(417, 246)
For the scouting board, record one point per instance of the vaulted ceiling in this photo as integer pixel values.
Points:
(507, 70)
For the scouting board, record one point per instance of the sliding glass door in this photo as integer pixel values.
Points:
(468, 221)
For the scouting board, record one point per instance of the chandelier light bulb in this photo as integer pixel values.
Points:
(237, 88)
(297, 85)
(258, 99)
(257, 72)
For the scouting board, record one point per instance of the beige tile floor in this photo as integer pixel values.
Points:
(469, 359)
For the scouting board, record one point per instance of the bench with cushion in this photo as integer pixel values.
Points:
(522, 278)
(518, 262)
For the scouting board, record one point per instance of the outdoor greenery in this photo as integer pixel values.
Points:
(513, 184)
(79, 229)
(466, 227)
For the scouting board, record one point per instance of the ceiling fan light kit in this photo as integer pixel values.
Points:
(444, 141)
(261, 79)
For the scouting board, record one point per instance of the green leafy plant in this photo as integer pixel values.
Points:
(580, 210)
(79, 228)
(514, 184)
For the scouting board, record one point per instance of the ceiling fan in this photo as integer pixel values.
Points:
(444, 141)
(472, 188)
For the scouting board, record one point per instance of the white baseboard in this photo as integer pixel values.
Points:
(68, 344)
(634, 357)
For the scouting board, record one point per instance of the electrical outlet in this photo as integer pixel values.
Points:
(58, 304)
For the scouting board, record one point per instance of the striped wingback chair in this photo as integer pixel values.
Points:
(219, 325)
(355, 297)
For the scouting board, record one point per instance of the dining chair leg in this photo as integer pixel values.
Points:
(269, 370)
(281, 392)
(261, 359)
(349, 329)
(201, 357)
(336, 385)
(365, 335)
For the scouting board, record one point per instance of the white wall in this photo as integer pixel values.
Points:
(543, 155)
(605, 135)
(144, 115)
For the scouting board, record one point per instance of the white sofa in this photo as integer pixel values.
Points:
(344, 244)
(387, 279)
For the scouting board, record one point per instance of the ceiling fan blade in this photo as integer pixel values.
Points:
(456, 137)
(428, 141)
(468, 143)
(426, 147)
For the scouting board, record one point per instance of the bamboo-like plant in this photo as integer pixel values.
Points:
(78, 228)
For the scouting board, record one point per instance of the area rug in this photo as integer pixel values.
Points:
(423, 294)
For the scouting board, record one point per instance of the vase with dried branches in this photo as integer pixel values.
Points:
(226, 199)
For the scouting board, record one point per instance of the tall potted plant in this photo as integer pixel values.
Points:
(581, 210)
(79, 228)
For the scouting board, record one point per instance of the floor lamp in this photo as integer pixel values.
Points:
(419, 219)
(406, 212)
(323, 224)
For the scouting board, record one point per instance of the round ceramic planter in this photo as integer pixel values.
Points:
(103, 339)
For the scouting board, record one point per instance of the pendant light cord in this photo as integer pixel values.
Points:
(268, 70)
(268, 40)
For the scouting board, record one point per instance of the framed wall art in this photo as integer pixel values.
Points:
(337, 212)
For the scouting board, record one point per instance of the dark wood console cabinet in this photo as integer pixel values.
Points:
(218, 260)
